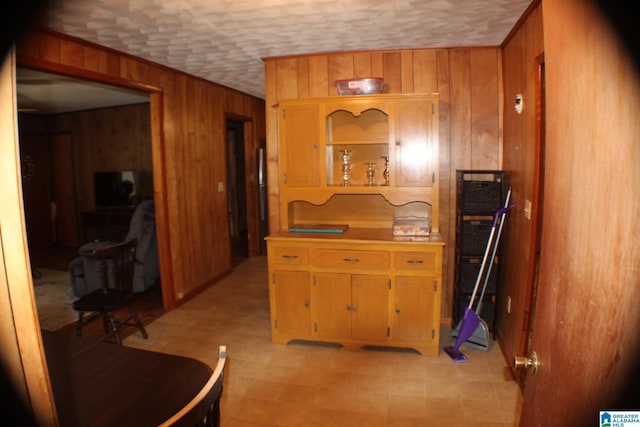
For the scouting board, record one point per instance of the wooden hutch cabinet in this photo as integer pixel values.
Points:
(351, 166)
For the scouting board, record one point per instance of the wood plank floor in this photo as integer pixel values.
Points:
(303, 384)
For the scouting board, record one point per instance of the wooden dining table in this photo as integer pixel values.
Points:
(97, 383)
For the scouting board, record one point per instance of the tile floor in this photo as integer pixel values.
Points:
(314, 385)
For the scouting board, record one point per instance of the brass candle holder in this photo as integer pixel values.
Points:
(346, 167)
(385, 173)
(371, 173)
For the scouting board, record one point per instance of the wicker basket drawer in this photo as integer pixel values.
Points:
(474, 235)
(467, 274)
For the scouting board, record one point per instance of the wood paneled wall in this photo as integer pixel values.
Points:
(105, 139)
(468, 81)
(188, 153)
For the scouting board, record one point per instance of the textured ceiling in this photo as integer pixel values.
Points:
(224, 41)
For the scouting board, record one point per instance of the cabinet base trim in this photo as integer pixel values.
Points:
(425, 350)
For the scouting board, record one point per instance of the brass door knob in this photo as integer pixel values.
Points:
(530, 363)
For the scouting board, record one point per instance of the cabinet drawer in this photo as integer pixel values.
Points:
(352, 259)
(288, 255)
(422, 261)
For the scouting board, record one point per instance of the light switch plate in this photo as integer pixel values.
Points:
(527, 209)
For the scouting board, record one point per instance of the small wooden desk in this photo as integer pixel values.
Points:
(101, 384)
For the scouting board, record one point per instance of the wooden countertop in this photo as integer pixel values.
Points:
(383, 235)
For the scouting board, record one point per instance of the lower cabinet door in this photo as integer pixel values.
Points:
(351, 306)
(290, 314)
(331, 300)
(370, 302)
(414, 315)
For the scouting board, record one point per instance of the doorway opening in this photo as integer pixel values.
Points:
(236, 191)
(59, 168)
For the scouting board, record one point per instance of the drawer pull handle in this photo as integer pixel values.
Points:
(290, 256)
(352, 307)
(415, 261)
(351, 259)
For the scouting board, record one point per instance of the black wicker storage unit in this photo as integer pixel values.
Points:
(479, 195)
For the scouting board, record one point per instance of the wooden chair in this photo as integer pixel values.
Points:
(204, 409)
(116, 266)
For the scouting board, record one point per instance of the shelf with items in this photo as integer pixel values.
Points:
(356, 211)
(357, 165)
(357, 141)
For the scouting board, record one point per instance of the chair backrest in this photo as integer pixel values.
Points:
(204, 408)
(143, 228)
(118, 263)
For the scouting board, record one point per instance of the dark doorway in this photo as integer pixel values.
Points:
(236, 183)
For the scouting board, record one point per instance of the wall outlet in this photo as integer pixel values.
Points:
(508, 305)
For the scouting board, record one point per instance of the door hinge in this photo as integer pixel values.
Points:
(388, 331)
(315, 327)
(433, 178)
(284, 114)
(389, 283)
(433, 109)
(285, 178)
(435, 286)
(433, 334)
(275, 324)
(313, 280)
(273, 278)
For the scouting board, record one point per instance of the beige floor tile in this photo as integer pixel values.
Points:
(310, 384)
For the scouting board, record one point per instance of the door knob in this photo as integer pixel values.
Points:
(530, 363)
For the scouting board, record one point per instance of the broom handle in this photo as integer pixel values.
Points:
(484, 260)
(502, 213)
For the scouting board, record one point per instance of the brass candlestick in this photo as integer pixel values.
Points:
(370, 172)
(346, 167)
(385, 173)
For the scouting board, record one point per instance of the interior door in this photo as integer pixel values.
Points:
(236, 183)
(36, 190)
(585, 324)
(66, 221)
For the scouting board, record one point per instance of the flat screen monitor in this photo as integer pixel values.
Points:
(118, 188)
